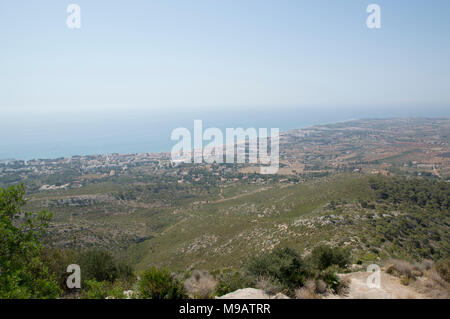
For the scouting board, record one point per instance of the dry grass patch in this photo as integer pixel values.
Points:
(201, 285)
(308, 291)
(427, 278)
(270, 287)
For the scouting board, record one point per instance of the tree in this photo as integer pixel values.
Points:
(22, 272)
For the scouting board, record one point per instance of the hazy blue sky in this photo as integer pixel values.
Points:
(164, 54)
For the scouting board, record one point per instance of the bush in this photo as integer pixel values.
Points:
(405, 280)
(309, 291)
(124, 271)
(443, 269)
(229, 281)
(323, 257)
(100, 265)
(57, 260)
(97, 264)
(102, 290)
(426, 264)
(200, 285)
(405, 270)
(94, 290)
(160, 284)
(343, 287)
(400, 268)
(282, 265)
(305, 293)
(320, 286)
(268, 285)
(331, 278)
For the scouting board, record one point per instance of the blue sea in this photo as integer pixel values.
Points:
(30, 135)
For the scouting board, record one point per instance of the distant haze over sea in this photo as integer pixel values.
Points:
(51, 135)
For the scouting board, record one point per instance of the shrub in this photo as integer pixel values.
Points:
(331, 278)
(405, 270)
(320, 286)
(102, 290)
(323, 257)
(57, 260)
(229, 281)
(400, 268)
(304, 293)
(200, 285)
(308, 291)
(405, 280)
(101, 265)
(426, 264)
(436, 281)
(283, 265)
(94, 290)
(268, 285)
(160, 284)
(97, 264)
(443, 269)
(124, 270)
(343, 287)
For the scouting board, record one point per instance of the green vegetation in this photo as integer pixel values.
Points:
(332, 221)
(56, 260)
(160, 284)
(323, 257)
(380, 193)
(220, 234)
(229, 281)
(102, 290)
(284, 266)
(101, 265)
(443, 268)
(22, 272)
(425, 193)
(419, 228)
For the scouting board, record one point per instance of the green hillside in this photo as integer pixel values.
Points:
(343, 210)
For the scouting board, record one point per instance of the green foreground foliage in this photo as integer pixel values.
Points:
(22, 272)
(160, 284)
(283, 265)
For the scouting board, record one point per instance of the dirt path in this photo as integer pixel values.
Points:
(224, 199)
(390, 288)
(198, 204)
